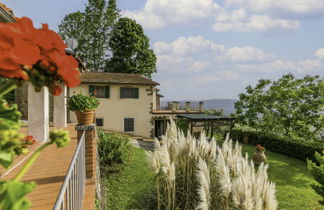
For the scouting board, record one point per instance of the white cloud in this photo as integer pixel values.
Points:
(217, 76)
(159, 13)
(240, 21)
(241, 54)
(320, 53)
(174, 63)
(188, 45)
(285, 66)
(298, 7)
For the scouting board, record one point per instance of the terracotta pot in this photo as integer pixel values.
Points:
(259, 157)
(86, 117)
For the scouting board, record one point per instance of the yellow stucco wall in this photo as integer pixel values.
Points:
(114, 109)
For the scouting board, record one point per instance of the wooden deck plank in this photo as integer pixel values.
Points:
(49, 171)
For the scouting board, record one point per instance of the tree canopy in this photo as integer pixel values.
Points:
(288, 106)
(108, 42)
(130, 49)
(92, 28)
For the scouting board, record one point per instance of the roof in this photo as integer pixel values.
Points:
(115, 78)
(6, 14)
(204, 117)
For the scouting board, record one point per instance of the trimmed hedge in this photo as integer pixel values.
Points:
(296, 148)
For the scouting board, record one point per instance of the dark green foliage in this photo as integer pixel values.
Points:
(289, 106)
(217, 112)
(91, 28)
(82, 102)
(293, 147)
(318, 173)
(9, 97)
(183, 125)
(130, 49)
(113, 148)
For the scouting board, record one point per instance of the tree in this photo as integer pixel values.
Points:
(130, 49)
(91, 29)
(288, 106)
(318, 173)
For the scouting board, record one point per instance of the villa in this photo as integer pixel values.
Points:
(129, 103)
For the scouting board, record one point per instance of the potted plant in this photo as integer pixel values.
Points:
(84, 107)
(259, 156)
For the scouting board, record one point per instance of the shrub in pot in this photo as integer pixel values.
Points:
(84, 107)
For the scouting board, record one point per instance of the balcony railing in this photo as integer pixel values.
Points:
(72, 191)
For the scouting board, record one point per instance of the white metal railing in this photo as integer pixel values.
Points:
(72, 191)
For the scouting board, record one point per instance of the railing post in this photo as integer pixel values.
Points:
(90, 148)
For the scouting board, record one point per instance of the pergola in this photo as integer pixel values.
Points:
(212, 120)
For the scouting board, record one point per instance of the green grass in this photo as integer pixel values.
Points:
(292, 180)
(131, 186)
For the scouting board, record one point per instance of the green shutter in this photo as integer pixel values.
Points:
(91, 90)
(122, 92)
(107, 95)
(136, 93)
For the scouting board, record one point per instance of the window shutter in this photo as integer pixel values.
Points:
(91, 90)
(122, 92)
(136, 92)
(107, 94)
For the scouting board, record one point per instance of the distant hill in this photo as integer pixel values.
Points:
(226, 104)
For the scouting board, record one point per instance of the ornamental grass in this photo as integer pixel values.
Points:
(195, 173)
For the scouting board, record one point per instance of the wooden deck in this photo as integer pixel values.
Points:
(48, 171)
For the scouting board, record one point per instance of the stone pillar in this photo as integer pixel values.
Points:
(90, 147)
(38, 113)
(60, 110)
(187, 106)
(201, 106)
(175, 106)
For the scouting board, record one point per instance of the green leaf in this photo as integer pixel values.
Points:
(13, 195)
(6, 158)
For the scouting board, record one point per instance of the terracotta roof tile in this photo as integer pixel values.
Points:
(115, 78)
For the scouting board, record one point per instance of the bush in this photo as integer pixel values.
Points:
(318, 173)
(82, 102)
(297, 148)
(113, 148)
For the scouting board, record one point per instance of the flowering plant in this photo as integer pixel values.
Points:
(260, 148)
(37, 56)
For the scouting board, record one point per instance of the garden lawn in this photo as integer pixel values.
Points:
(292, 180)
(131, 187)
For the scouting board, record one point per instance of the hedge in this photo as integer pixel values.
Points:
(297, 148)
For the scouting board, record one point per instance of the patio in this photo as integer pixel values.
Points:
(49, 171)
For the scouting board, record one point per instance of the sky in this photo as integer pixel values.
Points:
(214, 48)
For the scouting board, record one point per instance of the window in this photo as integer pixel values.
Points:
(129, 92)
(128, 124)
(99, 121)
(99, 91)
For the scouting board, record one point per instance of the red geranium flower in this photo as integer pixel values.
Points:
(36, 54)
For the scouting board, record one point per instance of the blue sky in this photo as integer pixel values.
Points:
(213, 49)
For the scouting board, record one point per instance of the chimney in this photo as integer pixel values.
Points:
(169, 106)
(201, 106)
(175, 106)
(187, 106)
